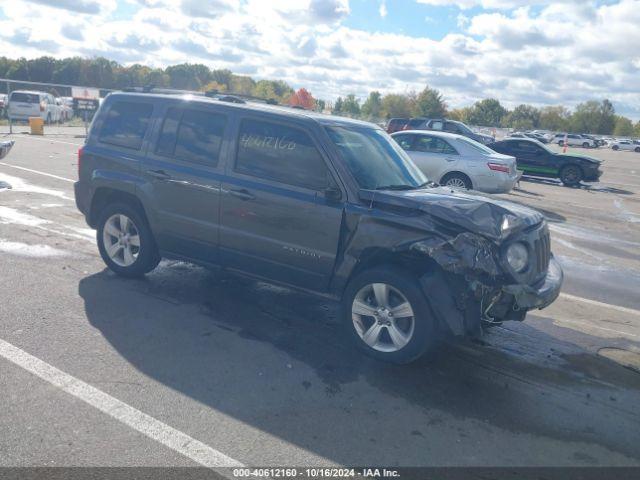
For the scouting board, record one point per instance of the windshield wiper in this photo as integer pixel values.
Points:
(428, 183)
(396, 187)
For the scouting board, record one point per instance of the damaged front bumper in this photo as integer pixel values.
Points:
(541, 295)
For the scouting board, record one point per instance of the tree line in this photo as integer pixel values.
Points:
(597, 117)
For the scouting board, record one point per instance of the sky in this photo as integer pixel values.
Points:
(519, 51)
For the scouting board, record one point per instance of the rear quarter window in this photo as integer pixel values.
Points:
(125, 124)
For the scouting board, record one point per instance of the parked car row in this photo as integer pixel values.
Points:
(437, 124)
(23, 104)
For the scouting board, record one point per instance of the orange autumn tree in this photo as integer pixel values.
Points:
(302, 98)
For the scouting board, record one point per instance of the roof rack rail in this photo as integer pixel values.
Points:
(230, 97)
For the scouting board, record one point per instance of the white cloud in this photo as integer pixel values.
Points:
(383, 9)
(561, 53)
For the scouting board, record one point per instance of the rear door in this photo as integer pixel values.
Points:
(277, 219)
(23, 105)
(434, 156)
(183, 180)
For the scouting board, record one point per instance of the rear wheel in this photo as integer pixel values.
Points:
(585, 145)
(571, 175)
(388, 316)
(125, 241)
(615, 147)
(637, 149)
(457, 180)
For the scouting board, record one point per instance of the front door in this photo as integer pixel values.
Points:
(533, 159)
(278, 220)
(183, 182)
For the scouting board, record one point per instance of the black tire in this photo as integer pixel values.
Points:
(424, 333)
(561, 143)
(615, 147)
(456, 177)
(571, 175)
(637, 149)
(585, 145)
(147, 256)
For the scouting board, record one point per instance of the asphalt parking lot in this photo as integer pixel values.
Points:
(192, 367)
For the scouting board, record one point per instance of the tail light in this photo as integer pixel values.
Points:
(80, 152)
(42, 106)
(498, 167)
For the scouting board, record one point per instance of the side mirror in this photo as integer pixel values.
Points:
(332, 194)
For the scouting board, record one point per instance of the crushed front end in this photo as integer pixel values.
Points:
(484, 282)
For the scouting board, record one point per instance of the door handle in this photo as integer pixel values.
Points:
(242, 194)
(159, 174)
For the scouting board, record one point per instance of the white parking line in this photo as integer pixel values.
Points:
(50, 140)
(38, 172)
(601, 304)
(155, 429)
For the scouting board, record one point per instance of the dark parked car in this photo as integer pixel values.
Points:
(396, 124)
(535, 159)
(327, 205)
(450, 126)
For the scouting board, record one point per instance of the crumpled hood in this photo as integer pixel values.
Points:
(478, 213)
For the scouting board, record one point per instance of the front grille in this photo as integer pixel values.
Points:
(542, 252)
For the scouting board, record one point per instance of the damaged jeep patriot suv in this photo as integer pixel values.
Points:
(328, 205)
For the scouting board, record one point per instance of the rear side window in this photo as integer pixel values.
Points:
(433, 145)
(125, 125)
(25, 97)
(405, 141)
(280, 153)
(192, 135)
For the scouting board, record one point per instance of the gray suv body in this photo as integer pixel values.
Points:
(324, 204)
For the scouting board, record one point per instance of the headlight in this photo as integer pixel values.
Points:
(517, 256)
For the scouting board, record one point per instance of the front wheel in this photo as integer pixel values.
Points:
(388, 316)
(571, 175)
(125, 241)
(637, 149)
(585, 145)
(615, 147)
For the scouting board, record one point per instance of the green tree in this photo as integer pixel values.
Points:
(488, 113)
(554, 118)
(395, 105)
(623, 127)
(242, 85)
(636, 129)
(351, 105)
(429, 103)
(337, 106)
(523, 117)
(594, 117)
(372, 106)
(460, 114)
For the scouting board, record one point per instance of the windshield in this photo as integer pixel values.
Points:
(478, 147)
(375, 159)
(462, 128)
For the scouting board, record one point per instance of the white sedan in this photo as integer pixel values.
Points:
(625, 145)
(457, 161)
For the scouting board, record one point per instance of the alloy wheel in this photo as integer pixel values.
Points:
(383, 317)
(121, 240)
